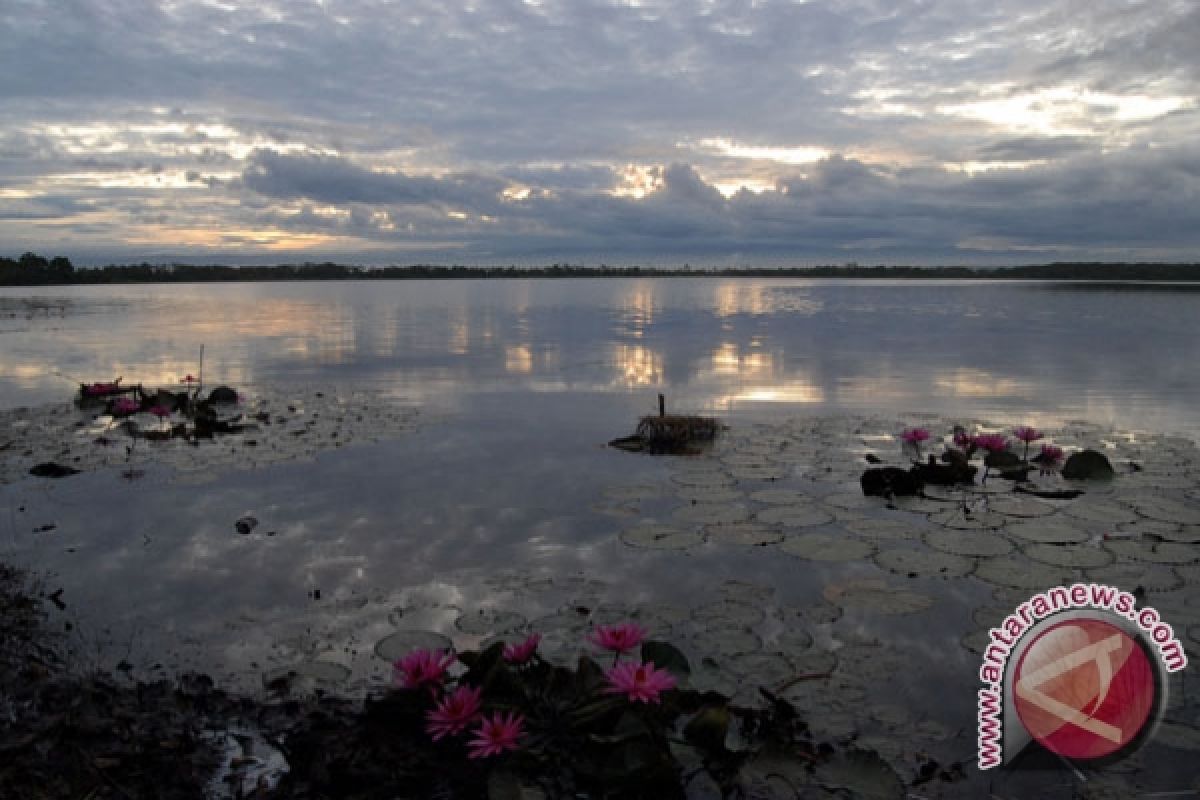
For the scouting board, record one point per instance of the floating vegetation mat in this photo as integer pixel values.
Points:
(281, 424)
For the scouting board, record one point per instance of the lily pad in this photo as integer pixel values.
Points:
(826, 547)
(762, 669)
(780, 496)
(1073, 556)
(489, 620)
(749, 534)
(877, 597)
(883, 529)
(794, 516)
(860, 773)
(727, 641)
(401, 643)
(711, 513)
(963, 520)
(1152, 579)
(924, 563)
(1108, 513)
(1166, 510)
(1017, 506)
(852, 501)
(702, 479)
(964, 543)
(709, 494)
(1020, 573)
(1156, 552)
(725, 613)
(661, 537)
(632, 494)
(1056, 532)
(772, 472)
(1189, 534)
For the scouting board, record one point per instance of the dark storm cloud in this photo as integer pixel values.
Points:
(588, 128)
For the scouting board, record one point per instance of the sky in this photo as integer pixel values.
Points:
(660, 132)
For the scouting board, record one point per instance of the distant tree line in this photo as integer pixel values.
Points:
(31, 269)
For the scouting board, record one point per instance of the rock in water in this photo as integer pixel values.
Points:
(890, 482)
(52, 470)
(223, 395)
(1087, 465)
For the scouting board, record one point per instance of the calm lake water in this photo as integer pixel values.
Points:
(518, 385)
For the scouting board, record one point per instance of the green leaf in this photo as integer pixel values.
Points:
(668, 657)
(589, 677)
(504, 785)
(708, 728)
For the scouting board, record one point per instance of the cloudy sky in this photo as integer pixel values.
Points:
(589, 131)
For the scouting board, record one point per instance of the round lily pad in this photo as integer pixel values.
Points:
(661, 537)
(763, 669)
(711, 513)
(1128, 576)
(1108, 513)
(826, 547)
(1056, 532)
(1189, 534)
(960, 519)
(772, 472)
(991, 616)
(1020, 573)
(702, 479)
(877, 597)
(793, 640)
(750, 534)
(924, 563)
(726, 613)
(322, 671)
(1166, 510)
(882, 529)
(1157, 552)
(944, 494)
(852, 501)
(780, 496)
(709, 494)
(726, 641)
(812, 614)
(1073, 556)
(1018, 506)
(747, 592)
(401, 643)
(794, 516)
(966, 543)
(1189, 573)
(489, 620)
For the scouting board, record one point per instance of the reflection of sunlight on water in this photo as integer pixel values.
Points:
(977, 383)
(738, 298)
(637, 365)
(789, 392)
(519, 359)
(727, 360)
(460, 331)
(638, 309)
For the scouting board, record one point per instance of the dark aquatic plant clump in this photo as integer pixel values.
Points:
(670, 434)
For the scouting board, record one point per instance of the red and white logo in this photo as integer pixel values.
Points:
(1084, 688)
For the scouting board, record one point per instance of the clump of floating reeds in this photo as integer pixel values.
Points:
(670, 433)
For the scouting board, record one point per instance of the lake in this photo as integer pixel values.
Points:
(493, 504)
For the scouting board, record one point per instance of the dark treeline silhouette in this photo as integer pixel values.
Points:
(31, 269)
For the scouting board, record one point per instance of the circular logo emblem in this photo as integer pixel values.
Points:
(1084, 689)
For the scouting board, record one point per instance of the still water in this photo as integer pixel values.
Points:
(517, 386)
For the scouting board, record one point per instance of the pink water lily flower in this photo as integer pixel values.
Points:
(992, 442)
(162, 412)
(496, 735)
(1027, 434)
(641, 683)
(519, 654)
(422, 668)
(915, 435)
(1049, 457)
(454, 712)
(618, 638)
(962, 439)
(188, 379)
(123, 406)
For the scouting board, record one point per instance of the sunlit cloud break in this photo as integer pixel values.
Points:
(600, 132)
